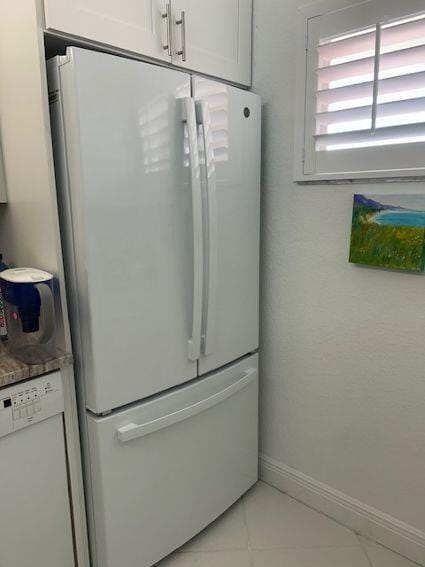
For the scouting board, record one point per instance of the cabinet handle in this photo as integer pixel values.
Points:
(167, 15)
(182, 23)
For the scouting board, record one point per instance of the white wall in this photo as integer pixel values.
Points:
(343, 347)
(29, 227)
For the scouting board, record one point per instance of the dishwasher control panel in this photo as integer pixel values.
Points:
(30, 401)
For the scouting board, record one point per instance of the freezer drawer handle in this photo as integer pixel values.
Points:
(133, 430)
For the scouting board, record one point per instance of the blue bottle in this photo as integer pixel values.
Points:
(3, 327)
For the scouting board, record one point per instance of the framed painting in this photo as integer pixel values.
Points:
(388, 231)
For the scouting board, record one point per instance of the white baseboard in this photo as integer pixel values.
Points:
(360, 517)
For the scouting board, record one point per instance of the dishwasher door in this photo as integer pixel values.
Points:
(35, 518)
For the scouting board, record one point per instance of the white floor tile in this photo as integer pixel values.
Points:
(235, 558)
(381, 557)
(310, 557)
(281, 533)
(276, 520)
(227, 532)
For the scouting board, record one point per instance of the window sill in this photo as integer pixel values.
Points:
(357, 177)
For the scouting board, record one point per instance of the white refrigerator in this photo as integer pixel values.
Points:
(158, 190)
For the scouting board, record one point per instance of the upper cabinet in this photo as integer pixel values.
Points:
(141, 26)
(214, 37)
(209, 36)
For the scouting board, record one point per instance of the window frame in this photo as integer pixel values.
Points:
(304, 145)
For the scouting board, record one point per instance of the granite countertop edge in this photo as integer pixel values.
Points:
(13, 371)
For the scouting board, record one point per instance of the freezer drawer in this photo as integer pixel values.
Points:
(164, 469)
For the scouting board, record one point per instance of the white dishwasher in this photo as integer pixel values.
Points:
(35, 517)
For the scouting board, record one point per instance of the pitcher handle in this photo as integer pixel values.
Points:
(48, 307)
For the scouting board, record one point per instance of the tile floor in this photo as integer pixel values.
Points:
(269, 529)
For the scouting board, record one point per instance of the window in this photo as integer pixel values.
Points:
(364, 112)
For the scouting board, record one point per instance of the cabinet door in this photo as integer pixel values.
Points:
(134, 25)
(214, 37)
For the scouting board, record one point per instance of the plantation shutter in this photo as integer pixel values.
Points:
(371, 87)
(365, 99)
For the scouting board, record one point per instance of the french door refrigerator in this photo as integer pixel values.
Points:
(158, 192)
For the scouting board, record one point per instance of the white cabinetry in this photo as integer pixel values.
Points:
(209, 36)
(214, 37)
(133, 25)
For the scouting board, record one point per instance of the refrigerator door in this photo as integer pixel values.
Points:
(166, 468)
(125, 194)
(229, 132)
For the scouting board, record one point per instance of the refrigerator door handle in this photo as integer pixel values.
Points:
(203, 117)
(134, 430)
(189, 117)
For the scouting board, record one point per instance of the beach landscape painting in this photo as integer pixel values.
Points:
(388, 231)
